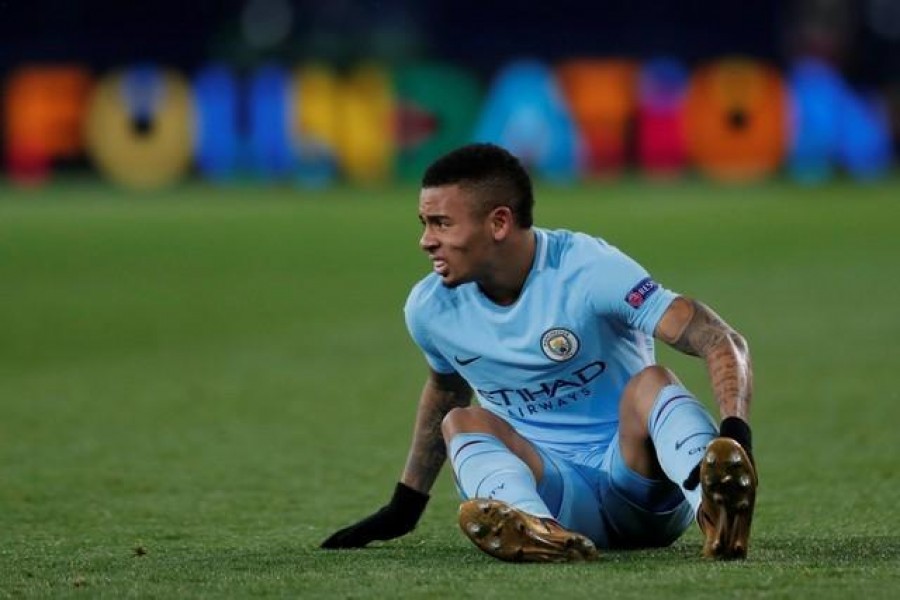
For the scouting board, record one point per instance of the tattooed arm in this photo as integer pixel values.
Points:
(427, 452)
(693, 328)
(426, 457)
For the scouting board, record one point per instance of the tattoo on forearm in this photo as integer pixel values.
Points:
(427, 452)
(729, 374)
(726, 355)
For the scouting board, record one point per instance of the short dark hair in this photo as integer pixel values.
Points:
(496, 176)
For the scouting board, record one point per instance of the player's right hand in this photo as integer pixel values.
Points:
(398, 517)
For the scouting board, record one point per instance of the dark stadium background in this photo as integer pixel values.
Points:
(478, 34)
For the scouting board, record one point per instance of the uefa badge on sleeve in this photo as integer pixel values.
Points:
(639, 293)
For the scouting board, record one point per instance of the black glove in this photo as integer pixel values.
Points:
(398, 517)
(731, 427)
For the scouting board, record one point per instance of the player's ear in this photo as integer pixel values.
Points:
(501, 220)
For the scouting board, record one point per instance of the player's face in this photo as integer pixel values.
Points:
(457, 240)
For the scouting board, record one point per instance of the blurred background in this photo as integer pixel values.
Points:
(310, 93)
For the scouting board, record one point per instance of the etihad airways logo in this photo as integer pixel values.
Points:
(547, 395)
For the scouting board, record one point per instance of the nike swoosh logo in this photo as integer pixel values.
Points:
(679, 444)
(465, 361)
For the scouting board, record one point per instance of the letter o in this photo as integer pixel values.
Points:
(140, 127)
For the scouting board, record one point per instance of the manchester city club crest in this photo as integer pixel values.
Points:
(559, 344)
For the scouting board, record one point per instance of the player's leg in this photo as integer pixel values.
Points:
(665, 431)
(663, 428)
(640, 473)
(501, 476)
(490, 460)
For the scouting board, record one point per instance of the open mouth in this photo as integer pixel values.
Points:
(440, 266)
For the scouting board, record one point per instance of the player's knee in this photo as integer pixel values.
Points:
(641, 391)
(464, 420)
(651, 379)
(449, 424)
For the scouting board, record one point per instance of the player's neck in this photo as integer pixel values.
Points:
(505, 282)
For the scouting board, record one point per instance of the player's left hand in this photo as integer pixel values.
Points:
(731, 427)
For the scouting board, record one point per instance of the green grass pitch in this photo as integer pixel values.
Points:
(197, 386)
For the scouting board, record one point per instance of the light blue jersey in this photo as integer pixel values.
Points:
(554, 363)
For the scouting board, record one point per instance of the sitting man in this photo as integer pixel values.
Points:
(579, 439)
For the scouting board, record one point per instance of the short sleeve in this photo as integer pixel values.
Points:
(415, 323)
(623, 289)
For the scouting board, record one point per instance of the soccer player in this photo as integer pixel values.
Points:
(579, 439)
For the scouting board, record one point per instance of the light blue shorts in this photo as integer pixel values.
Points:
(595, 493)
